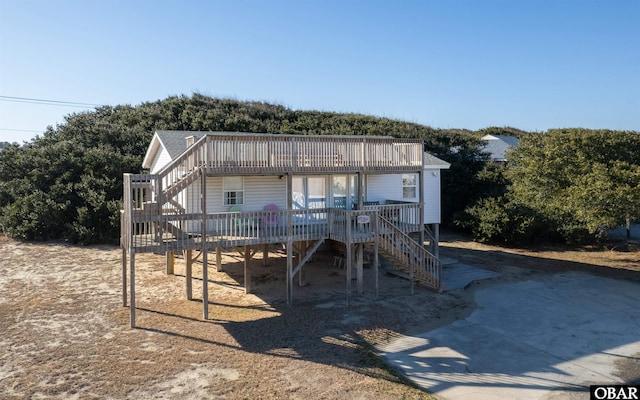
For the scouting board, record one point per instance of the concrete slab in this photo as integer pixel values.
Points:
(546, 338)
(459, 276)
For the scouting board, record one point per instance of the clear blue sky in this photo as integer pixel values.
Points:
(530, 64)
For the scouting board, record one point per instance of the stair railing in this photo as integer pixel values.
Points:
(420, 262)
(182, 167)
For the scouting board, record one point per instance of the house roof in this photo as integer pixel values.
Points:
(498, 145)
(431, 162)
(174, 142)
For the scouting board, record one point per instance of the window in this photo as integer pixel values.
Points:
(409, 186)
(233, 188)
(309, 192)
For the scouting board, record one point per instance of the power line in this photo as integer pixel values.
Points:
(19, 130)
(14, 99)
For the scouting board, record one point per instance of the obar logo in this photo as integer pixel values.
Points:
(611, 392)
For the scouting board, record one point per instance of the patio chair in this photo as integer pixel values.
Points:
(244, 225)
(271, 222)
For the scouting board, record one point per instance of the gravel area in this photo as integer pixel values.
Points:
(65, 334)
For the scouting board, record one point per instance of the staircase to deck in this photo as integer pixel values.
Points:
(180, 184)
(408, 256)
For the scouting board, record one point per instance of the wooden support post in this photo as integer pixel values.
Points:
(420, 220)
(289, 241)
(219, 259)
(349, 261)
(376, 263)
(436, 240)
(132, 288)
(247, 269)
(290, 272)
(188, 274)
(124, 277)
(205, 264)
(265, 254)
(411, 276)
(348, 256)
(302, 253)
(205, 285)
(359, 267)
(171, 260)
(360, 190)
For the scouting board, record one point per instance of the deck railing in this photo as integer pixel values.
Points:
(147, 230)
(405, 216)
(266, 153)
(151, 222)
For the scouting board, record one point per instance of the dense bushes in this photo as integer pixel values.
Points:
(569, 184)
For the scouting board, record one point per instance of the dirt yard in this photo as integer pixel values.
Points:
(65, 334)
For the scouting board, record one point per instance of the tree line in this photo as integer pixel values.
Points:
(570, 185)
(67, 183)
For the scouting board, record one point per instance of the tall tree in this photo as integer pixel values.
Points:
(584, 182)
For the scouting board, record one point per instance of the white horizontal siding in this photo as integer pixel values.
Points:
(432, 196)
(384, 187)
(258, 192)
(389, 187)
(161, 159)
(262, 190)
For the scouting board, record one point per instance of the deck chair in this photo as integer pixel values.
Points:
(271, 222)
(243, 225)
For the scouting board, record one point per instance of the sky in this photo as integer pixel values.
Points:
(528, 64)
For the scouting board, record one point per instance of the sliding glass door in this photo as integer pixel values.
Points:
(335, 191)
(344, 191)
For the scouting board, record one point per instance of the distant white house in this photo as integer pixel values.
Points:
(498, 145)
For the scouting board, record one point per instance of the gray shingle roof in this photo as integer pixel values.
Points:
(498, 145)
(431, 160)
(176, 141)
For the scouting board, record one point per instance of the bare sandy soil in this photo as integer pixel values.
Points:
(65, 334)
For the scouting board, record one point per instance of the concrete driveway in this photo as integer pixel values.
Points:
(549, 337)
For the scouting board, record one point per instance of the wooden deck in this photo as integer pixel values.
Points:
(148, 231)
(264, 154)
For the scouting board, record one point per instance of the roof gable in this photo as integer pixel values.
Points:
(173, 142)
(498, 145)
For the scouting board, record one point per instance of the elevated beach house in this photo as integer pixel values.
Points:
(211, 190)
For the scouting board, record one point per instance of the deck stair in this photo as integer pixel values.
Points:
(405, 254)
(165, 204)
(180, 184)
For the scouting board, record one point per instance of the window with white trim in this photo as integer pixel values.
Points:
(233, 190)
(409, 186)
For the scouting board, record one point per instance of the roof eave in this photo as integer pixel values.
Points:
(151, 151)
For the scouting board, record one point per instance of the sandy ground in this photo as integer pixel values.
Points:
(65, 334)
